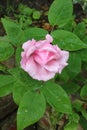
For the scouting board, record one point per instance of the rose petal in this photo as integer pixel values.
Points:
(23, 60)
(42, 60)
(65, 56)
(43, 74)
(43, 57)
(48, 47)
(30, 51)
(38, 72)
(63, 60)
(28, 44)
(40, 57)
(61, 67)
(49, 38)
(52, 66)
(31, 67)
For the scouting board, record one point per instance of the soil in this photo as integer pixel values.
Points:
(8, 108)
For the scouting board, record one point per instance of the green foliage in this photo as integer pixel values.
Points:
(4, 38)
(83, 123)
(23, 78)
(83, 93)
(23, 83)
(17, 36)
(67, 92)
(74, 67)
(83, 55)
(3, 68)
(71, 88)
(64, 77)
(73, 123)
(31, 109)
(80, 30)
(26, 16)
(23, 9)
(19, 89)
(67, 40)
(71, 126)
(18, 56)
(13, 31)
(6, 84)
(84, 39)
(57, 97)
(24, 21)
(80, 107)
(60, 12)
(32, 33)
(70, 25)
(6, 50)
(36, 15)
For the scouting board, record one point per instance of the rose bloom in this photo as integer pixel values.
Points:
(42, 60)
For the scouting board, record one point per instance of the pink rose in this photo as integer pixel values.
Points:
(42, 60)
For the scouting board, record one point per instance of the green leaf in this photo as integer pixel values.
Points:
(80, 30)
(24, 79)
(64, 77)
(71, 126)
(79, 106)
(84, 113)
(83, 92)
(71, 88)
(73, 122)
(84, 39)
(36, 15)
(13, 31)
(69, 26)
(31, 109)
(83, 54)
(23, 84)
(74, 117)
(74, 64)
(67, 40)
(4, 38)
(27, 11)
(60, 12)
(36, 33)
(20, 76)
(18, 91)
(18, 56)
(6, 84)
(23, 9)
(57, 97)
(6, 50)
(3, 68)
(83, 123)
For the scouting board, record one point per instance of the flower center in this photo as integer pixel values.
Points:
(43, 57)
